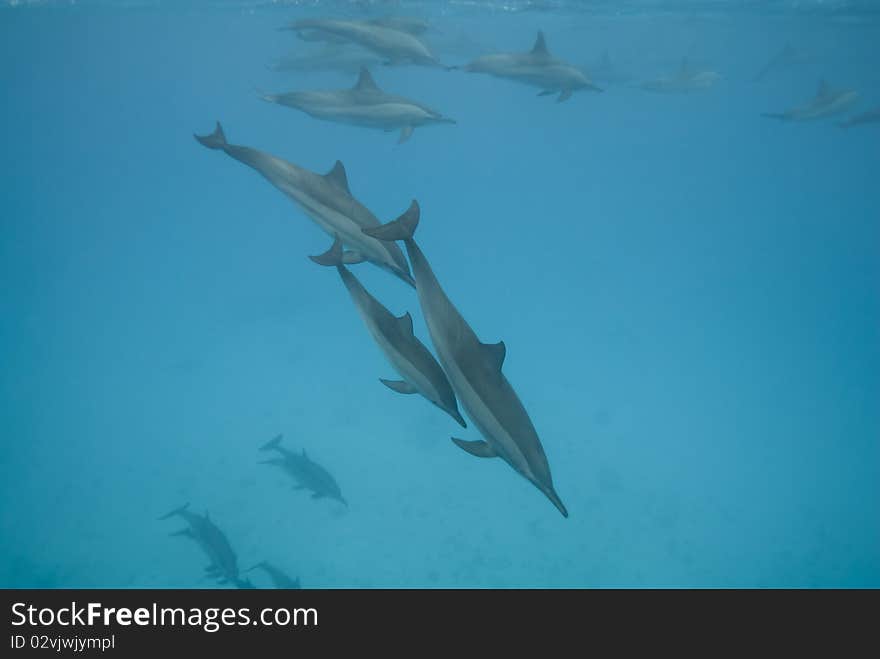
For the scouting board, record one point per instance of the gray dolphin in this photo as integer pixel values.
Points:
(686, 79)
(537, 68)
(362, 105)
(410, 358)
(393, 45)
(827, 102)
(325, 199)
(212, 541)
(474, 370)
(308, 474)
(408, 24)
(278, 577)
(869, 117)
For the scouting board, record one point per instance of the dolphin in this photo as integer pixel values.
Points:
(393, 45)
(869, 117)
(537, 68)
(330, 58)
(362, 105)
(408, 24)
(308, 474)
(394, 335)
(325, 199)
(206, 534)
(474, 370)
(826, 103)
(686, 79)
(279, 578)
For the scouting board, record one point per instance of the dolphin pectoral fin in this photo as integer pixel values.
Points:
(400, 386)
(478, 448)
(352, 257)
(564, 95)
(405, 133)
(546, 92)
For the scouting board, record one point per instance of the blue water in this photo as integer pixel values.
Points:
(689, 294)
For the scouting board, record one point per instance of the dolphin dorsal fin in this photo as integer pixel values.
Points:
(540, 47)
(406, 324)
(338, 177)
(495, 352)
(824, 89)
(365, 81)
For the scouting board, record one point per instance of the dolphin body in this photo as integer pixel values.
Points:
(537, 68)
(410, 358)
(685, 80)
(869, 117)
(408, 24)
(827, 102)
(278, 577)
(474, 370)
(393, 45)
(325, 199)
(206, 534)
(308, 474)
(363, 105)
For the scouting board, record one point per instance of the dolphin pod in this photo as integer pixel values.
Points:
(475, 371)
(363, 105)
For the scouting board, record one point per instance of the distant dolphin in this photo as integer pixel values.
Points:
(474, 369)
(363, 105)
(686, 79)
(308, 474)
(279, 578)
(337, 58)
(395, 46)
(827, 102)
(537, 68)
(410, 25)
(869, 117)
(206, 534)
(410, 358)
(325, 199)
(785, 57)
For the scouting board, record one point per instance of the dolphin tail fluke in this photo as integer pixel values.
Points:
(275, 442)
(174, 512)
(332, 256)
(403, 228)
(216, 140)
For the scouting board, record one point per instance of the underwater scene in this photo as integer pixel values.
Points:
(464, 294)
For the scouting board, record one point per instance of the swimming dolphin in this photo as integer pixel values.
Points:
(279, 578)
(410, 25)
(325, 199)
(393, 45)
(410, 358)
(331, 58)
(826, 103)
(363, 105)
(686, 79)
(537, 68)
(308, 474)
(869, 117)
(474, 370)
(206, 534)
